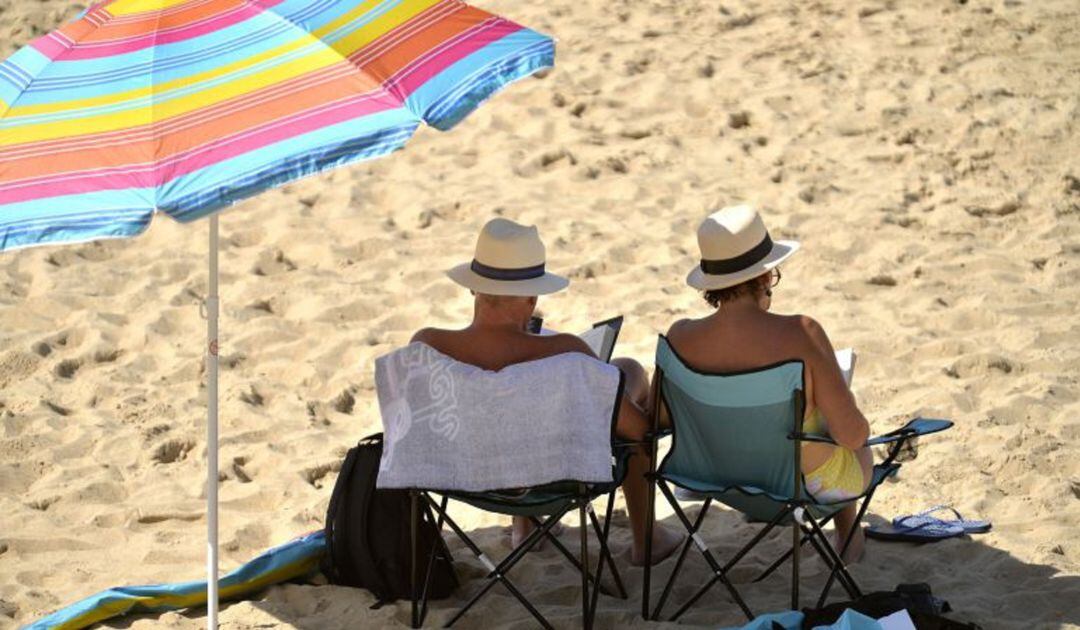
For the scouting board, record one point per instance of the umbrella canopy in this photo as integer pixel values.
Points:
(185, 107)
(188, 106)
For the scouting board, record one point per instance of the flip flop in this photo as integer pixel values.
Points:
(969, 526)
(923, 533)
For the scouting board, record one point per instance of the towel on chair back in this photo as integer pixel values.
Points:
(449, 425)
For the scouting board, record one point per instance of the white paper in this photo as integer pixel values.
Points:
(899, 620)
(846, 358)
(601, 340)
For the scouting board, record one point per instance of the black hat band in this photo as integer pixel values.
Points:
(743, 261)
(495, 273)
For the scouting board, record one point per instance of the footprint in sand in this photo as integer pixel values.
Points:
(106, 354)
(172, 451)
(980, 365)
(253, 397)
(273, 262)
(67, 368)
(239, 471)
(346, 400)
(316, 474)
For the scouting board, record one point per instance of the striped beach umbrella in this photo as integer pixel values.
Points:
(184, 107)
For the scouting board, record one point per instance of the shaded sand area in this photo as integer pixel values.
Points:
(924, 152)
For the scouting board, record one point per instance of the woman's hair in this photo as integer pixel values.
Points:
(753, 286)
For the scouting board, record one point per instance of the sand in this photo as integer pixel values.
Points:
(925, 153)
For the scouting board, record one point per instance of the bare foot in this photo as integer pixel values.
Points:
(664, 543)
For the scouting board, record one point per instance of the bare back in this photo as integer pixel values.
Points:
(497, 348)
(733, 340)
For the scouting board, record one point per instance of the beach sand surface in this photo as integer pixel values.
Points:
(924, 152)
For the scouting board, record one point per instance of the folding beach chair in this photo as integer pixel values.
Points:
(545, 506)
(736, 439)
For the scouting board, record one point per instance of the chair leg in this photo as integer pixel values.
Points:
(414, 529)
(796, 543)
(650, 515)
(497, 573)
(833, 559)
(583, 524)
(561, 548)
(731, 564)
(819, 546)
(682, 558)
(437, 549)
(787, 554)
(605, 556)
(602, 537)
(843, 547)
(718, 571)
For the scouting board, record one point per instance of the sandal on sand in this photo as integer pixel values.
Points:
(969, 527)
(930, 531)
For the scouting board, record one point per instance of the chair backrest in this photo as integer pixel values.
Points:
(732, 430)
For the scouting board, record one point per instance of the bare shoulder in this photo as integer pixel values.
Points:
(434, 337)
(811, 332)
(562, 343)
(680, 328)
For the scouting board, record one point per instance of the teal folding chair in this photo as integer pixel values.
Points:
(544, 505)
(736, 439)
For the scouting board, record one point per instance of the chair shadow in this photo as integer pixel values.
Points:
(983, 584)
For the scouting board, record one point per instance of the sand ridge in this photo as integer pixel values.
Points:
(923, 152)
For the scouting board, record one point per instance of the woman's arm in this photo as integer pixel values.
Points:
(847, 425)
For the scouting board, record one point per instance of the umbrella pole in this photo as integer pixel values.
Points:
(212, 432)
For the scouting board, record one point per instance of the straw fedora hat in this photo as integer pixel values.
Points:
(735, 247)
(509, 260)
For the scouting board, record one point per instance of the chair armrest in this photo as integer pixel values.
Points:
(810, 437)
(914, 428)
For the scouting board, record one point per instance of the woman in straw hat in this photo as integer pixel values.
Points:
(506, 275)
(739, 268)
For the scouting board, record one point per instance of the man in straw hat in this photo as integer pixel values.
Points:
(506, 275)
(738, 270)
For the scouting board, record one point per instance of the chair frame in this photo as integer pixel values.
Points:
(804, 526)
(563, 503)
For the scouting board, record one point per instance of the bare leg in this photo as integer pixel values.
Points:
(633, 426)
(636, 490)
(845, 520)
(637, 381)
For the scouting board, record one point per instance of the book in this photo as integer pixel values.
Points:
(846, 358)
(600, 338)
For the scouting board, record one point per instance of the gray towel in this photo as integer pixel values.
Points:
(453, 426)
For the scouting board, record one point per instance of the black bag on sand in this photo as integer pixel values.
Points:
(925, 609)
(368, 534)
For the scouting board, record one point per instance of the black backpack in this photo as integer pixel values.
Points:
(368, 534)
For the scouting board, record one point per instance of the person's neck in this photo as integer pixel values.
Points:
(497, 322)
(744, 304)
